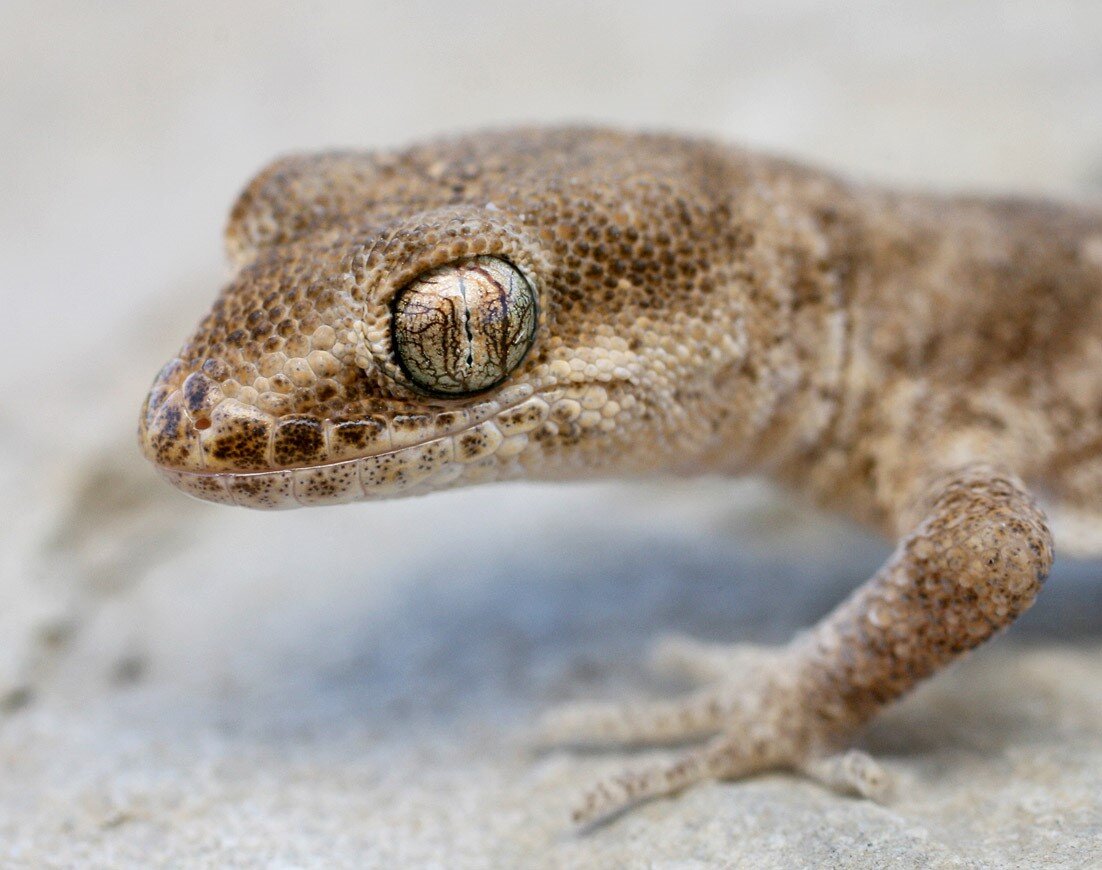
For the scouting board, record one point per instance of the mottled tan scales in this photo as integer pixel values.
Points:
(580, 303)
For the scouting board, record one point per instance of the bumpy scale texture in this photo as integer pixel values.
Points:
(919, 363)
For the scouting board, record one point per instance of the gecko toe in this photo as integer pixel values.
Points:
(851, 772)
(682, 657)
(727, 756)
(693, 717)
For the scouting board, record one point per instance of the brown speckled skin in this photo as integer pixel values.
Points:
(919, 363)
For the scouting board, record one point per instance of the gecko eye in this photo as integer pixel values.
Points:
(463, 327)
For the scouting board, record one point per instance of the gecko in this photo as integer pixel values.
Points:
(580, 303)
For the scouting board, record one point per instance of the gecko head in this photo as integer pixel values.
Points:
(485, 309)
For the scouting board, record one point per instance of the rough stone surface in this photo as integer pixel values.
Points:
(188, 684)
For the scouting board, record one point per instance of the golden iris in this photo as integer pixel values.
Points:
(463, 327)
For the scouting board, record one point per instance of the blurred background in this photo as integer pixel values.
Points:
(179, 679)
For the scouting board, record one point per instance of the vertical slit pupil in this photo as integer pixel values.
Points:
(470, 337)
(467, 322)
(428, 337)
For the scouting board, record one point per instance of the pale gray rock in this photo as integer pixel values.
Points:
(188, 685)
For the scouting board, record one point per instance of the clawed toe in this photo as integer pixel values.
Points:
(681, 657)
(693, 717)
(723, 757)
(620, 792)
(851, 772)
(748, 672)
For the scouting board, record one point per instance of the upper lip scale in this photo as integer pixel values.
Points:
(240, 474)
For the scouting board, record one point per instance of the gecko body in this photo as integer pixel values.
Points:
(579, 303)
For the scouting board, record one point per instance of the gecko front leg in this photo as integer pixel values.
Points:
(971, 564)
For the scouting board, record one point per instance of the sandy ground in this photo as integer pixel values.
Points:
(188, 685)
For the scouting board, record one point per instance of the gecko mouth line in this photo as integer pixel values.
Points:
(316, 467)
(433, 463)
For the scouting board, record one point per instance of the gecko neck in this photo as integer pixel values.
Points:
(964, 319)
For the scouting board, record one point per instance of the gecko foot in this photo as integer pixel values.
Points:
(729, 757)
(748, 722)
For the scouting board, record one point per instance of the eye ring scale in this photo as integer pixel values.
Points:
(463, 327)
